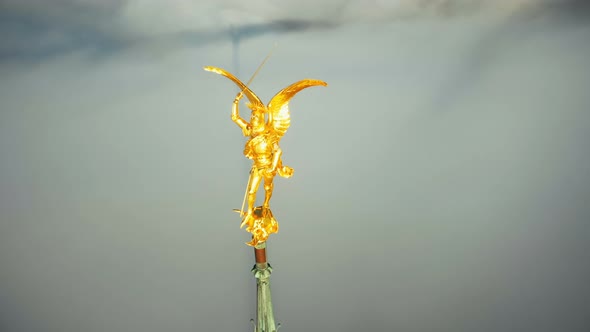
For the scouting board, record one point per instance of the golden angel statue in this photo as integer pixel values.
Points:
(263, 148)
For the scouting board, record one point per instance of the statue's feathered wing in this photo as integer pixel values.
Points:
(278, 108)
(253, 98)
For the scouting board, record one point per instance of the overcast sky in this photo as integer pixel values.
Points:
(442, 179)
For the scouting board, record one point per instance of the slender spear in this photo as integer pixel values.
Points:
(258, 69)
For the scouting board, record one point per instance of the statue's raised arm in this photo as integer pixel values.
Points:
(235, 116)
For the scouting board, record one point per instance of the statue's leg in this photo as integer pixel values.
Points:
(268, 187)
(252, 189)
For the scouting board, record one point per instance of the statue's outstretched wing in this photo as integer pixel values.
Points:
(254, 100)
(279, 118)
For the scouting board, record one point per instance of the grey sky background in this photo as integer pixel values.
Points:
(441, 179)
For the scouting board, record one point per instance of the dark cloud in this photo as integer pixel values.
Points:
(27, 38)
(33, 30)
(242, 32)
(24, 38)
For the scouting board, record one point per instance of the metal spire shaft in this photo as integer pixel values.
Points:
(265, 321)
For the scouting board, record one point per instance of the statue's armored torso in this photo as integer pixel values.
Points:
(261, 150)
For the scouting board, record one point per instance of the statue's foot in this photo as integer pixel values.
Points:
(264, 210)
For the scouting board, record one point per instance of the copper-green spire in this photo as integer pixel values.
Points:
(265, 321)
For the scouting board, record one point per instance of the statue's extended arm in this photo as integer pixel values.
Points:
(235, 116)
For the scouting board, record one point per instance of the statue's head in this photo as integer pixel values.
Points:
(257, 118)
